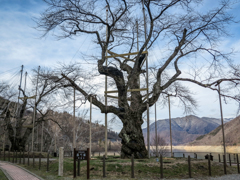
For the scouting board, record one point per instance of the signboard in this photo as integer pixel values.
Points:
(81, 155)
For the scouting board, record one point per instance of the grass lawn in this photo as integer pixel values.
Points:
(2, 176)
(117, 168)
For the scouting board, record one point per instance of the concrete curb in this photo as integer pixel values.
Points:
(20, 168)
(6, 174)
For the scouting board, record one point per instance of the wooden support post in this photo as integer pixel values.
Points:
(104, 173)
(60, 164)
(16, 160)
(74, 163)
(13, 157)
(106, 87)
(48, 161)
(33, 158)
(209, 165)
(161, 166)
(90, 128)
(223, 135)
(23, 157)
(224, 164)
(230, 163)
(219, 158)
(132, 174)
(4, 154)
(39, 167)
(88, 163)
(20, 158)
(189, 167)
(8, 155)
(78, 167)
(28, 158)
(238, 164)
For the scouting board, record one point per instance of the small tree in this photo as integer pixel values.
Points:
(162, 146)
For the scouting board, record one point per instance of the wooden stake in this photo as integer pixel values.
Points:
(224, 164)
(230, 163)
(189, 167)
(161, 166)
(238, 164)
(132, 169)
(209, 166)
(104, 173)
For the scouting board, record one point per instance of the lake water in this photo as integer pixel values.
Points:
(201, 151)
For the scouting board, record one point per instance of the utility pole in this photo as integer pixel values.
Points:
(170, 124)
(156, 141)
(148, 130)
(220, 102)
(106, 86)
(34, 113)
(74, 120)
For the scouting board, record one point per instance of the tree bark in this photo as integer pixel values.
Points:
(132, 136)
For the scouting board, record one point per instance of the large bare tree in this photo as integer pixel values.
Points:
(17, 118)
(183, 28)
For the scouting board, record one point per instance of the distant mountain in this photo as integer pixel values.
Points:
(231, 131)
(184, 129)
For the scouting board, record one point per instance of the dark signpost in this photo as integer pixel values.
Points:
(78, 156)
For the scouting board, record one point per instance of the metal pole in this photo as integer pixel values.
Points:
(170, 124)
(156, 141)
(74, 123)
(34, 113)
(148, 130)
(220, 102)
(90, 126)
(106, 87)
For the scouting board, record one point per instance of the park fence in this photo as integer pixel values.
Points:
(26, 158)
(35, 160)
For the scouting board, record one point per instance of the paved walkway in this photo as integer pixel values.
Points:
(15, 173)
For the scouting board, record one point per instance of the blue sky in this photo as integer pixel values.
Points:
(21, 44)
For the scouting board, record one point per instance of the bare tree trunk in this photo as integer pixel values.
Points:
(132, 137)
